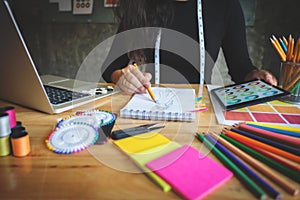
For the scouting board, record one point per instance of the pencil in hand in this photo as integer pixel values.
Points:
(147, 88)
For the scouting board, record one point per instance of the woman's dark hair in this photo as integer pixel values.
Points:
(143, 13)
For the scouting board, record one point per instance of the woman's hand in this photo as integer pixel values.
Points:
(131, 80)
(262, 74)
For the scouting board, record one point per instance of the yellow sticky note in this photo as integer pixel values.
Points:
(146, 156)
(141, 142)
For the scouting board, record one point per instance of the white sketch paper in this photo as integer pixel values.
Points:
(172, 104)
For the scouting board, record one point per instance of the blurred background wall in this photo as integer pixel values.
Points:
(59, 40)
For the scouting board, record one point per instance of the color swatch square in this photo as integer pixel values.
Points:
(292, 119)
(231, 115)
(261, 108)
(288, 109)
(268, 117)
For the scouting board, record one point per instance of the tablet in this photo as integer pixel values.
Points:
(247, 93)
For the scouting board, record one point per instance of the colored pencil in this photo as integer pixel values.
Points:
(278, 44)
(276, 130)
(296, 51)
(256, 190)
(261, 182)
(247, 140)
(283, 45)
(267, 141)
(292, 82)
(292, 50)
(292, 141)
(199, 110)
(279, 127)
(279, 50)
(258, 165)
(275, 165)
(289, 52)
(289, 48)
(298, 55)
(285, 40)
(147, 88)
(276, 158)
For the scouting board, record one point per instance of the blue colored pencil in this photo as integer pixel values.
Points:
(267, 141)
(266, 186)
(284, 132)
(283, 45)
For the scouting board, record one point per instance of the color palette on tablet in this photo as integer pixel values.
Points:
(246, 94)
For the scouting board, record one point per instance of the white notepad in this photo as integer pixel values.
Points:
(173, 104)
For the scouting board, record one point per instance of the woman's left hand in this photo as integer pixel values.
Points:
(262, 74)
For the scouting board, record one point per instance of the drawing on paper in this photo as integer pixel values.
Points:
(164, 100)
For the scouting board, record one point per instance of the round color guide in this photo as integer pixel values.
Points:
(72, 138)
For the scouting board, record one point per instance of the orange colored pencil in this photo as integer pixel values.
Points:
(289, 49)
(298, 54)
(262, 145)
(257, 165)
(296, 51)
(292, 50)
(292, 82)
(290, 164)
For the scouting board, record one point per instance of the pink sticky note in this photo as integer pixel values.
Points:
(189, 172)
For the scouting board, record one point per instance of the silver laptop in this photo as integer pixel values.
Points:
(20, 82)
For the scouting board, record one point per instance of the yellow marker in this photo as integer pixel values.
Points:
(148, 88)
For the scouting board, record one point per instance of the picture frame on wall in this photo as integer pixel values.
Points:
(110, 3)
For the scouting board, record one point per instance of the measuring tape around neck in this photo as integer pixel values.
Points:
(201, 45)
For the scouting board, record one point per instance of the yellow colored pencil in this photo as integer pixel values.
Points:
(148, 88)
(285, 41)
(281, 127)
(278, 45)
(281, 54)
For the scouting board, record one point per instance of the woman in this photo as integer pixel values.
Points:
(223, 27)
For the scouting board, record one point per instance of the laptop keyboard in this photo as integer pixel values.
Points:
(59, 96)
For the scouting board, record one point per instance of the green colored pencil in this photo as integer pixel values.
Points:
(288, 172)
(255, 189)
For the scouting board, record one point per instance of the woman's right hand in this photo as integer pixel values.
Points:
(131, 80)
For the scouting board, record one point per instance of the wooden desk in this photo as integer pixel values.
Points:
(100, 172)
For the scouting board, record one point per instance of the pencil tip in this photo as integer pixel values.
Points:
(224, 131)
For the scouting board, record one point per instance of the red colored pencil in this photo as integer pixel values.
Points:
(292, 141)
(263, 146)
(275, 157)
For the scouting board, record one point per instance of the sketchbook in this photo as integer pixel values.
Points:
(173, 104)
